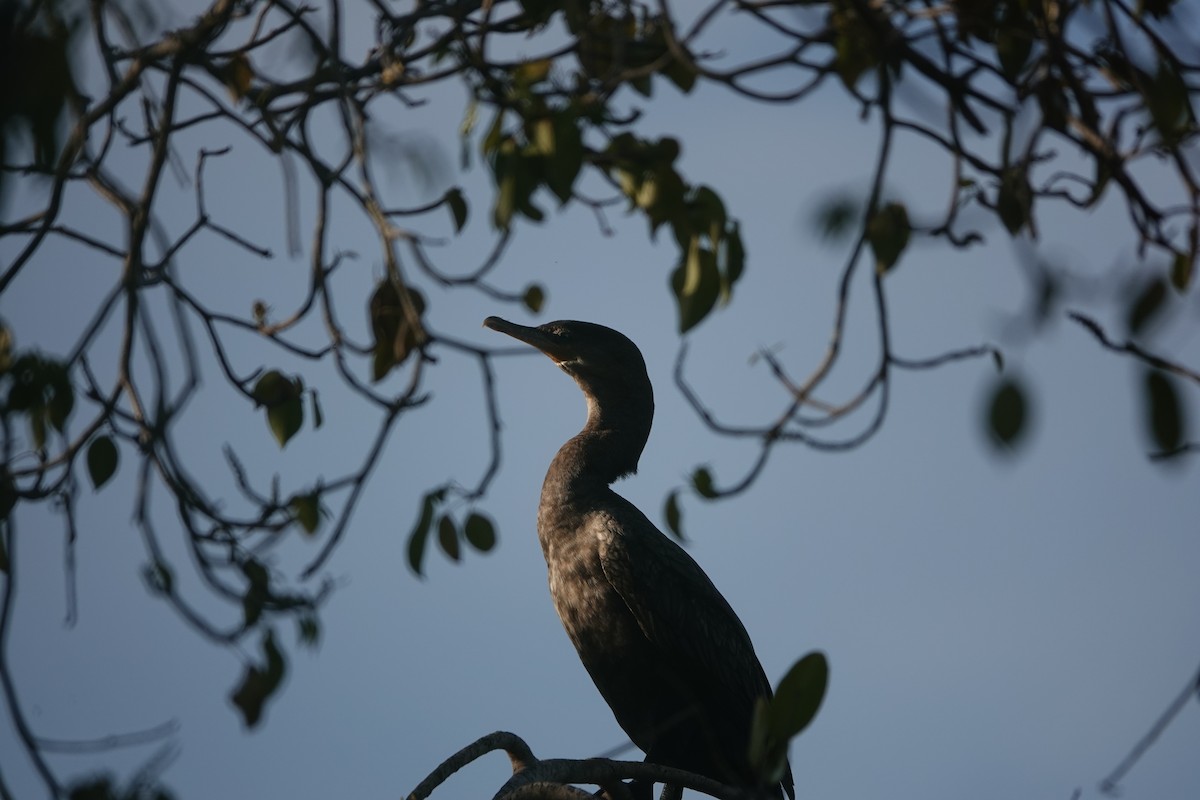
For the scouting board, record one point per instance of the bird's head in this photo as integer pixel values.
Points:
(605, 363)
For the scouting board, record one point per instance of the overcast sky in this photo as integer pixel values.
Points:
(996, 627)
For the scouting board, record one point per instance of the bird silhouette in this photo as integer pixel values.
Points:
(665, 649)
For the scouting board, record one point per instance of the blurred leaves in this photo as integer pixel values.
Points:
(1166, 422)
(888, 232)
(776, 721)
(259, 682)
(101, 460)
(674, 515)
(477, 530)
(395, 317)
(281, 397)
(1007, 414)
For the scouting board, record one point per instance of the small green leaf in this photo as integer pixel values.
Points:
(888, 233)
(419, 534)
(1165, 414)
(798, 697)
(1014, 202)
(259, 682)
(696, 284)
(480, 532)
(534, 297)
(674, 515)
(282, 398)
(565, 160)
(306, 509)
(285, 419)
(318, 417)
(397, 327)
(1007, 413)
(101, 460)
(702, 482)
(529, 73)
(1183, 267)
(448, 537)
(458, 207)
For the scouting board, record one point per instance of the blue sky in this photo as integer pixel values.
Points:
(996, 627)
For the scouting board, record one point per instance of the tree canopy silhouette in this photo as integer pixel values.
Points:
(115, 121)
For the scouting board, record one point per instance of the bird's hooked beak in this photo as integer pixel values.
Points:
(547, 342)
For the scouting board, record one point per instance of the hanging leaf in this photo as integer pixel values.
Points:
(458, 207)
(479, 531)
(796, 702)
(534, 297)
(696, 284)
(306, 510)
(674, 515)
(888, 233)
(448, 537)
(259, 682)
(281, 396)
(1007, 413)
(101, 460)
(396, 325)
(1014, 202)
(702, 482)
(419, 534)
(1167, 424)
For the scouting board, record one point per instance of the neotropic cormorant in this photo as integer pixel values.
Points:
(662, 645)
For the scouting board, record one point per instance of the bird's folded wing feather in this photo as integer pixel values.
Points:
(676, 605)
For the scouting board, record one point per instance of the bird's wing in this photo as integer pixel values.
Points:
(676, 605)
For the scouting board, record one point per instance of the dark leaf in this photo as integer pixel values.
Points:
(674, 515)
(479, 532)
(61, 395)
(1007, 413)
(534, 297)
(853, 44)
(565, 159)
(888, 233)
(396, 325)
(448, 537)
(286, 418)
(1164, 413)
(259, 682)
(318, 417)
(798, 697)
(702, 482)
(419, 534)
(306, 509)
(696, 284)
(1183, 267)
(101, 460)
(458, 208)
(1014, 203)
